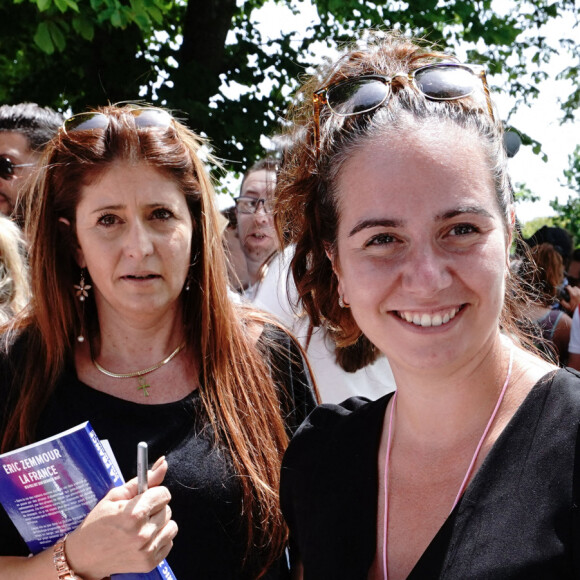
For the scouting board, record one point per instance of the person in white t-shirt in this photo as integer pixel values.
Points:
(272, 289)
(255, 221)
(574, 344)
(277, 294)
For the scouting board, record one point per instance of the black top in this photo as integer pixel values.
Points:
(518, 517)
(206, 495)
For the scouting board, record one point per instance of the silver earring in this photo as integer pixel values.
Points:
(82, 289)
(188, 282)
(189, 276)
(342, 303)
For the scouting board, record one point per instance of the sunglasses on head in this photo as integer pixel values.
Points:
(7, 167)
(145, 117)
(444, 81)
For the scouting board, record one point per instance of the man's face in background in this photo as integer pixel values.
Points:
(14, 146)
(256, 231)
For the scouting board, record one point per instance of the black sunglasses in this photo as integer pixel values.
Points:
(7, 167)
(145, 117)
(442, 81)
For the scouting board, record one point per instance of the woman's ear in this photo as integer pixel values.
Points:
(331, 255)
(67, 230)
(512, 217)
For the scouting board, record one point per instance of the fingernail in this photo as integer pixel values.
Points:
(158, 463)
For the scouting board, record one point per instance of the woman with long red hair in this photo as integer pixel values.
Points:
(131, 327)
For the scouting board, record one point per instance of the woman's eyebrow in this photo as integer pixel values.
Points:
(374, 223)
(468, 209)
(108, 207)
(393, 223)
(122, 206)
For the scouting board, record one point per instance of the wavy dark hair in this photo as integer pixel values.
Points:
(307, 207)
(239, 397)
(545, 273)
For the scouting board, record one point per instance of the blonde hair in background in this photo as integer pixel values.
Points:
(14, 283)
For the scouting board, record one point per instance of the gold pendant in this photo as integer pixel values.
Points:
(143, 386)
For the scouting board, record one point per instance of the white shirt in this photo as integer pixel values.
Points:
(574, 344)
(276, 294)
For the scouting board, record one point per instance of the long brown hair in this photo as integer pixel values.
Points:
(307, 207)
(238, 394)
(545, 272)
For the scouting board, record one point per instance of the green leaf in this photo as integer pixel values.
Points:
(142, 21)
(156, 14)
(84, 27)
(57, 36)
(43, 4)
(43, 39)
(61, 5)
(116, 19)
(73, 5)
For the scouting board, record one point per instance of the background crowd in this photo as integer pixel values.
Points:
(259, 259)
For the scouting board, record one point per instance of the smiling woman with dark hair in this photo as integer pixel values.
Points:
(396, 195)
(131, 327)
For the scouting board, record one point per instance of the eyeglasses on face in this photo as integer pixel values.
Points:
(443, 81)
(7, 167)
(145, 117)
(252, 204)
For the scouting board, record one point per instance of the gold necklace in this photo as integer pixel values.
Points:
(143, 385)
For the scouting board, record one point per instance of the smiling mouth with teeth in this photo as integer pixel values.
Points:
(426, 320)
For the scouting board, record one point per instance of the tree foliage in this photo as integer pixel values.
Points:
(568, 213)
(532, 226)
(73, 54)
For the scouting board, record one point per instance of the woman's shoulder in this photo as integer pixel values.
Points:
(290, 373)
(331, 416)
(337, 426)
(556, 394)
(566, 382)
(335, 443)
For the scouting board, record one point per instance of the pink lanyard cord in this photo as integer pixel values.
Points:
(387, 460)
(485, 432)
(469, 469)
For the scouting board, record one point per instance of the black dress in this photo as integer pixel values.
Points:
(518, 518)
(206, 495)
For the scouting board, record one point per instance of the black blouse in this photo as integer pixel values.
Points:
(206, 495)
(518, 518)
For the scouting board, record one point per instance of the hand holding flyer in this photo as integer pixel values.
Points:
(49, 488)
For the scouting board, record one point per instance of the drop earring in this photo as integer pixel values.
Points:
(82, 289)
